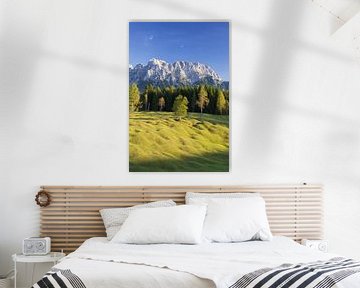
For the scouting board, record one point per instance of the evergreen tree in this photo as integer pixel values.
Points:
(150, 93)
(193, 100)
(226, 94)
(161, 103)
(157, 93)
(153, 99)
(134, 98)
(180, 106)
(203, 99)
(220, 102)
(212, 93)
(170, 93)
(144, 101)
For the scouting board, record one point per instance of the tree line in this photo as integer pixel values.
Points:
(202, 98)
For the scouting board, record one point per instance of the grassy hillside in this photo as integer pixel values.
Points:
(160, 142)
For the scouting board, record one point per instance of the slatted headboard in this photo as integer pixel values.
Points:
(73, 215)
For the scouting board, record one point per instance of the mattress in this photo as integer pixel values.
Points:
(99, 263)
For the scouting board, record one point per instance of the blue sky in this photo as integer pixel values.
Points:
(204, 42)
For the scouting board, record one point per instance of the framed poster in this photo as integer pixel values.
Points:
(179, 96)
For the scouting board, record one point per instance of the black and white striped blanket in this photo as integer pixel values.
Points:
(57, 278)
(320, 274)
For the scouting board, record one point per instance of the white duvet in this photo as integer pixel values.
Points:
(100, 263)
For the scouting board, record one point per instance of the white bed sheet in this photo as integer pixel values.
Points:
(103, 274)
(106, 274)
(100, 263)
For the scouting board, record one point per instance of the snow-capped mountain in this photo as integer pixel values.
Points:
(160, 73)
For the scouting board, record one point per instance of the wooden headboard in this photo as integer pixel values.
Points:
(73, 215)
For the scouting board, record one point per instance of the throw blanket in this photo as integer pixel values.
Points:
(59, 278)
(319, 274)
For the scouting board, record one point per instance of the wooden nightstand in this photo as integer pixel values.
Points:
(53, 257)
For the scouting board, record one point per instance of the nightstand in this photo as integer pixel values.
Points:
(53, 257)
(320, 245)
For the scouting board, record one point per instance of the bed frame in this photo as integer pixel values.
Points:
(73, 215)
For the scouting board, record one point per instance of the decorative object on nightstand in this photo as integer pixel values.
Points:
(36, 246)
(320, 245)
(52, 257)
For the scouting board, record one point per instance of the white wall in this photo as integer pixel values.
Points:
(63, 86)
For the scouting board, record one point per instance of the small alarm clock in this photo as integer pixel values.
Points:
(36, 246)
(320, 245)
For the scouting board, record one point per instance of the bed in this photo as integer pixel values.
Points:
(99, 263)
(294, 212)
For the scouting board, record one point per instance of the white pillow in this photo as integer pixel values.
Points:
(113, 218)
(236, 220)
(180, 224)
(204, 198)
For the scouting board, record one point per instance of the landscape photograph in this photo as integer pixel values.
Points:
(179, 96)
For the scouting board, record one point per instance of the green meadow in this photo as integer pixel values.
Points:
(160, 142)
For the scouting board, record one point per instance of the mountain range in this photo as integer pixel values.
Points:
(180, 73)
